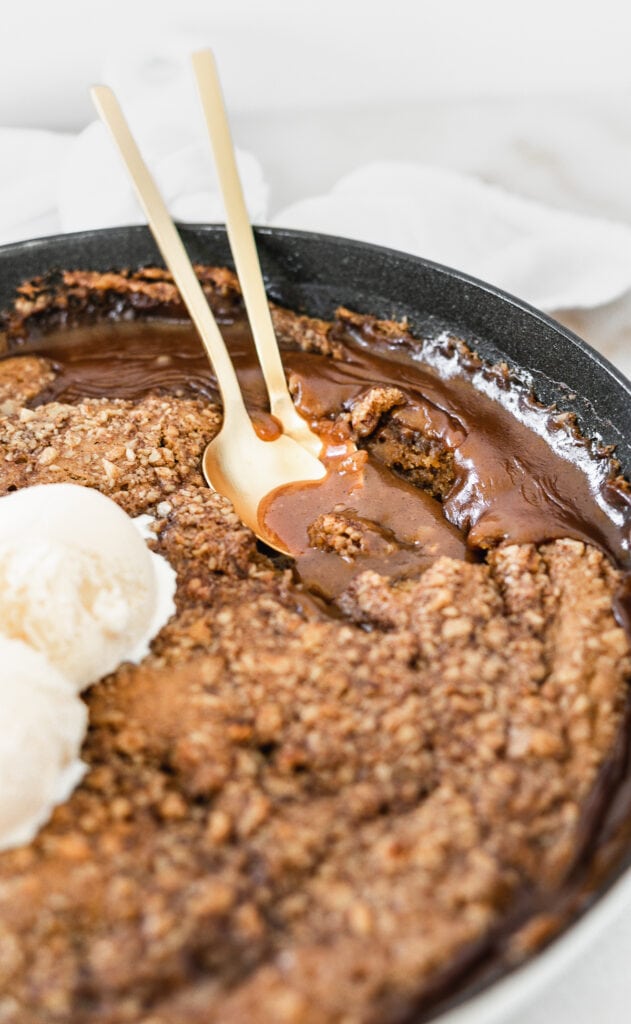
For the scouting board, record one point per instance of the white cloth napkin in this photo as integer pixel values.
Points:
(29, 163)
(52, 182)
(93, 188)
(553, 259)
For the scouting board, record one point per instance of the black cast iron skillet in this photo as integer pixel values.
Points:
(316, 273)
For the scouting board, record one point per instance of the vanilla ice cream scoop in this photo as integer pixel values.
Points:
(43, 726)
(77, 581)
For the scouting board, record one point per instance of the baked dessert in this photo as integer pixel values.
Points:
(330, 793)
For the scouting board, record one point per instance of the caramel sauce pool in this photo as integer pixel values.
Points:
(517, 476)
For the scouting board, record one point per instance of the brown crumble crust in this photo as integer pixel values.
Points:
(20, 380)
(422, 461)
(136, 453)
(72, 295)
(348, 535)
(369, 408)
(69, 296)
(288, 817)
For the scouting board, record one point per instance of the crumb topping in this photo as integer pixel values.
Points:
(20, 380)
(290, 816)
(137, 454)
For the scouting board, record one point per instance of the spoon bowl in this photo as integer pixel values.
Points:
(240, 465)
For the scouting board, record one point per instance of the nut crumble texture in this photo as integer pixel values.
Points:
(291, 817)
(21, 379)
(137, 454)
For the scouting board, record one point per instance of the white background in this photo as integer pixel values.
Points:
(301, 54)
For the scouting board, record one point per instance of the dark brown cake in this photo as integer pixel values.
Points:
(298, 811)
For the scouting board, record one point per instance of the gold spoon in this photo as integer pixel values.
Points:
(237, 463)
(246, 259)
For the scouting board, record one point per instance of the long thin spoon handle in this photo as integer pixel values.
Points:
(172, 249)
(243, 248)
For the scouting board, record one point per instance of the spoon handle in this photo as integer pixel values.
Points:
(246, 259)
(173, 252)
